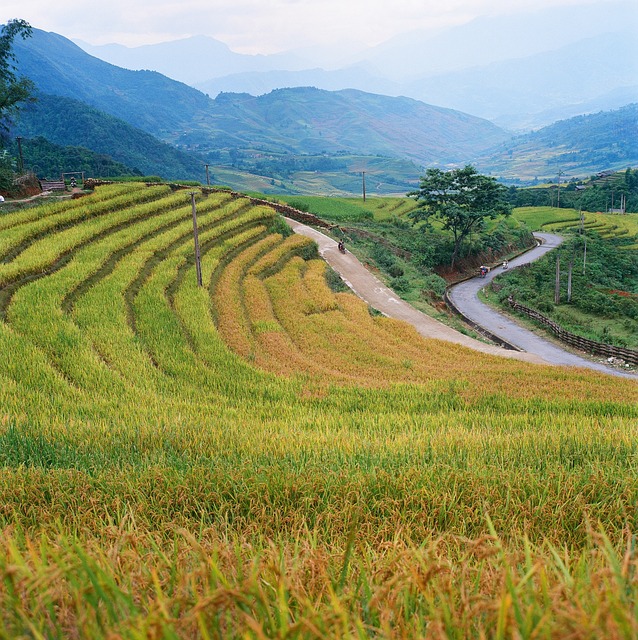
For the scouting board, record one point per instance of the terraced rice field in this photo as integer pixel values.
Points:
(556, 220)
(260, 457)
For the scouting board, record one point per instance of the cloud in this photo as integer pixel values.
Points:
(253, 26)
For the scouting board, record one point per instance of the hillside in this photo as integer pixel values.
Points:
(49, 160)
(309, 120)
(59, 67)
(66, 121)
(262, 457)
(579, 146)
(519, 93)
(528, 68)
(300, 121)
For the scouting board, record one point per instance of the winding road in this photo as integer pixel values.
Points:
(464, 296)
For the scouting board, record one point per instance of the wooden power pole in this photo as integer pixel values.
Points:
(363, 184)
(20, 157)
(569, 280)
(557, 286)
(585, 256)
(198, 261)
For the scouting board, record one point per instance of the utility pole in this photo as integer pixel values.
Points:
(198, 261)
(363, 182)
(207, 176)
(21, 167)
(569, 280)
(557, 286)
(560, 173)
(585, 256)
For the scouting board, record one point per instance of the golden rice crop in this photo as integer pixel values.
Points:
(261, 457)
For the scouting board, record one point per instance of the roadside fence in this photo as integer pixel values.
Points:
(584, 344)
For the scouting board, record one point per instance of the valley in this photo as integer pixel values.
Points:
(205, 433)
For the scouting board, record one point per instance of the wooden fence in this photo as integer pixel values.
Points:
(590, 346)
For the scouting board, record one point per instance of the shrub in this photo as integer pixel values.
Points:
(401, 284)
(382, 256)
(395, 271)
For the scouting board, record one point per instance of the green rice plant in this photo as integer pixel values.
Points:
(260, 457)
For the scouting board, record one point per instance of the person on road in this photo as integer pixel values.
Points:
(342, 247)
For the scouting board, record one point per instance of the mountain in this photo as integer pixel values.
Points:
(298, 121)
(309, 120)
(258, 83)
(511, 92)
(69, 122)
(496, 38)
(522, 70)
(293, 131)
(191, 60)
(620, 97)
(577, 147)
(59, 67)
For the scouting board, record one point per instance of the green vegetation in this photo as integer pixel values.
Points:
(579, 146)
(606, 225)
(604, 303)
(336, 209)
(14, 90)
(262, 457)
(600, 193)
(462, 200)
(67, 122)
(47, 160)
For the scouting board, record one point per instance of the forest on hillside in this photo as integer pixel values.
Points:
(601, 192)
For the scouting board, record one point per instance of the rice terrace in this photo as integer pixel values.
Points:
(262, 457)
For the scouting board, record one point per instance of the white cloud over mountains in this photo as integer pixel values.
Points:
(256, 26)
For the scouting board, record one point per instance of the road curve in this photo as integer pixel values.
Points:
(464, 296)
(368, 287)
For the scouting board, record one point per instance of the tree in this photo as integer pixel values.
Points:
(13, 90)
(462, 199)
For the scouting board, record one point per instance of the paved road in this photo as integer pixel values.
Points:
(375, 293)
(464, 297)
(368, 287)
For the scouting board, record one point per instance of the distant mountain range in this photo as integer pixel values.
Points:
(300, 120)
(300, 138)
(521, 70)
(526, 93)
(579, 146)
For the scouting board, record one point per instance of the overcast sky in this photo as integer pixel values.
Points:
(255, 26)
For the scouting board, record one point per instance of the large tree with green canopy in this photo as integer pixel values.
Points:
(462, 199)
(13, 90)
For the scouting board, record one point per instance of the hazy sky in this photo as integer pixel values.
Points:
(255, 26)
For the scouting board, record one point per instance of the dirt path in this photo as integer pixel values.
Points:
(464, 296)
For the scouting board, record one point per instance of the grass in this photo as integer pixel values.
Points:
(262, 457)
(349, 210)
(560, 220)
